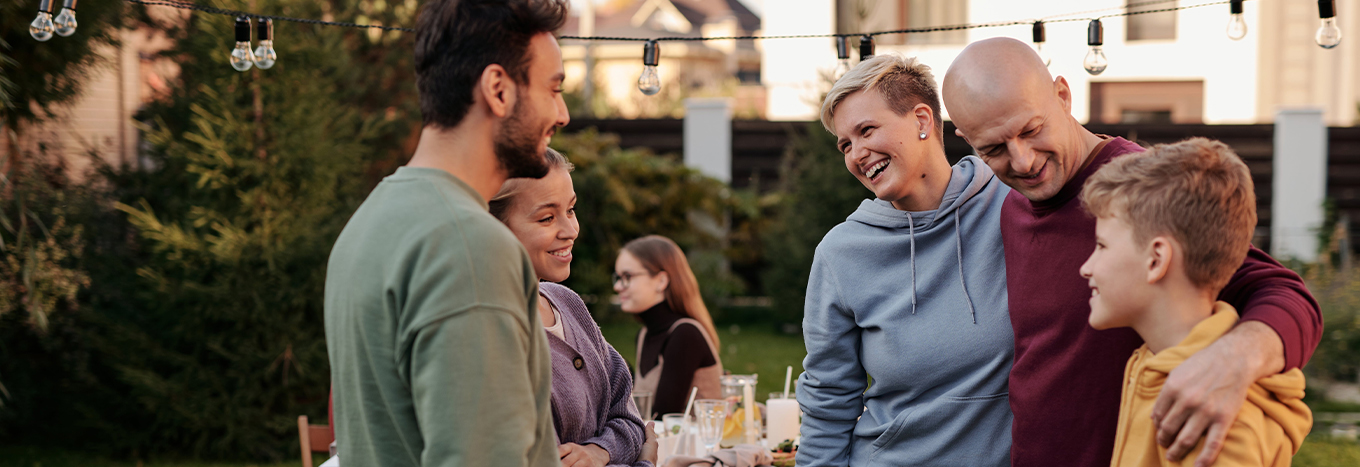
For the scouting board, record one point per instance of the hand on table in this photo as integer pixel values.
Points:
(649, 447)
(1202, 396)
(575, 455)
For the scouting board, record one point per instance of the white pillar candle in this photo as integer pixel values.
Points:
(748, 395)
(781, 420)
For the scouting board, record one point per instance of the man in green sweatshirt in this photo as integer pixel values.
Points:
(437, 357)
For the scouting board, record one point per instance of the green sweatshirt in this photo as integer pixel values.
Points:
(437, 357)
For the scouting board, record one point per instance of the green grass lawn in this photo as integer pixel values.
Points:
(746, 349)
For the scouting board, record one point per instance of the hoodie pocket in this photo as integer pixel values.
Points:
(970, 430)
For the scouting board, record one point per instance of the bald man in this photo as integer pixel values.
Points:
(1066, 380)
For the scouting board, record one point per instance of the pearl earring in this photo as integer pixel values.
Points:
(923, 135)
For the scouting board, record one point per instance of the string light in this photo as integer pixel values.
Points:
(265, 54)
(1237, 27)
(842, 55)
(1328, 35)
(66, 21)
(1095, 62)
(866, 47)
(41, 28)
(241, 57)
(1039, 39)
(649, 83)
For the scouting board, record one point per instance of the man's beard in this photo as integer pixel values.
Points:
(517, 148)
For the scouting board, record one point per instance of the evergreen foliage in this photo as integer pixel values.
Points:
(626, 194)
(818, 194)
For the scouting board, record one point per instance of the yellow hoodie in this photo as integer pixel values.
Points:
(1269, 429)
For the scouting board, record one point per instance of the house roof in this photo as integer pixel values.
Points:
(620, 21)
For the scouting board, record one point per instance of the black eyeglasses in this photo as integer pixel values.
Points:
(622, 278)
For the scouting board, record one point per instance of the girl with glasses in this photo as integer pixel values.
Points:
(678, 347)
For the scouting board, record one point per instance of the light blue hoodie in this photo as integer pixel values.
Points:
(917, 301)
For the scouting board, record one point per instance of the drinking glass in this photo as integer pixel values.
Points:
(674, 422)
(712, 414)
(642, 400)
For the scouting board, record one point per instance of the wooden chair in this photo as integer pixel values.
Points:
(312, 438)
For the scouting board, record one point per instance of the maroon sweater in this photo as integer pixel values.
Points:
(1065, 385)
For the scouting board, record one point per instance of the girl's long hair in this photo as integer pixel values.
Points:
(657, 253)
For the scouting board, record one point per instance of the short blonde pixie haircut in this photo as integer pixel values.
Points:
(902, 81)
(1198, 191)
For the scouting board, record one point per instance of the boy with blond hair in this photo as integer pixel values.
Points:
(1172, 225)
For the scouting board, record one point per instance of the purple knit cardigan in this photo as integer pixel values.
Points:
(592, 388)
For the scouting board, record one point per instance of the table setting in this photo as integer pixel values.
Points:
(734, 431)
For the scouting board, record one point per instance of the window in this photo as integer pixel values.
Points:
(853, 16)
(1147, 102)
(1150, 26)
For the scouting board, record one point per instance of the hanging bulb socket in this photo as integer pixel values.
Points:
(266, 31)
(1326, 9)
(1237, 27)
(1039, 38)
(1328, 34)
(241, 56)
(842, 47)
(866, 47)
(649, 83)
(242, 29)
(650, 52)
(1095, 61)
(265, 54)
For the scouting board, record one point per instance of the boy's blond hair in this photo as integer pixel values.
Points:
(1198, 191)
(902, 81)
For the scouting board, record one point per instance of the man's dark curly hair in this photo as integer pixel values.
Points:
(457, 39)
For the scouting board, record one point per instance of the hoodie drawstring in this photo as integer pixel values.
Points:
(958, 236)
(911, 230)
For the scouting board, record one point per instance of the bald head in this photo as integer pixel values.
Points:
(994, 72)
(1017, 116)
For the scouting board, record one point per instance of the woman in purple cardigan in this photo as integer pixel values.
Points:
(592, 388)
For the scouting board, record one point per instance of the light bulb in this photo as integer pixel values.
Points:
(1039, 37)
(241, 58)
(649, 83)
(1095, 62)
(265, 54)
(66, 20)
(842, 67)
(41, 28)
(1039, 49)
(1328, 35)
(1237, 27)
(842, 55)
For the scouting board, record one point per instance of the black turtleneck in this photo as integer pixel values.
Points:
(684, 349)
